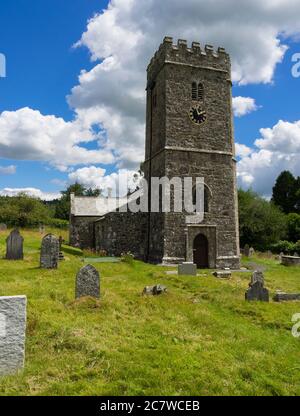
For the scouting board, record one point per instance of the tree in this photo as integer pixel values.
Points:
(285, 191)
(293, 224)
(23, 211)
(261, 222)
(93, 192)
(297, 195)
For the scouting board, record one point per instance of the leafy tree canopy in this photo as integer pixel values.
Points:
(286, 192)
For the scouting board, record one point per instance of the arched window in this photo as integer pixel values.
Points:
(194, 91)
(200, 92)
(197, 91)
(206, 197)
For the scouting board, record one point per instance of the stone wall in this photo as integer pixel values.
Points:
(81, 232)
(120, 232)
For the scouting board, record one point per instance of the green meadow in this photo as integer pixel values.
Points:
(200, 338)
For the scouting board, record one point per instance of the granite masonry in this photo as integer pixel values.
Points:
(49, 252)
(284, 297)
(87, 282)
(186, 268)
(256, 290)
(12, 333)
(189, 133)
(290, 260)
(14, 246)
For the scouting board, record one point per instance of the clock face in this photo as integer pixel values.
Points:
(198, 115)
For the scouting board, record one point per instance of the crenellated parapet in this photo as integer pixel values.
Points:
(194, 55)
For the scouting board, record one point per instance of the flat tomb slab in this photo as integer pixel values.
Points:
(102, 260)
(290, 261)
(283, 297)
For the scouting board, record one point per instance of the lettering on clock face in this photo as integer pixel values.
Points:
(198, 115)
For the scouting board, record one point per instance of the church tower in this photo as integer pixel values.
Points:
(189, 133)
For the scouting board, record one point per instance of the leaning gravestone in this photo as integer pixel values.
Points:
(12, 333)
(42, 229)
(187, 268)
(87, 282)
(49, 252)
(251, 251)
(246, 250)
(256, 289)
(14, 246)
(3, 227)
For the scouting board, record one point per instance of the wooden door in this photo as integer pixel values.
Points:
(201, 251)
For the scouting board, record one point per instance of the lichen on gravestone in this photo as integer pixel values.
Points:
(49, 252)
(14, 246)
(87, 282)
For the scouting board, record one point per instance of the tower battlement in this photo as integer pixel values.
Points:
(195, 55)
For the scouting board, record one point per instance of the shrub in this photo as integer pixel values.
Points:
(286, 247)
(127, 257)
(293, 224)
(57, 223)
(261, 222)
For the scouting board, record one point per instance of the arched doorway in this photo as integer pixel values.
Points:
(200, 249)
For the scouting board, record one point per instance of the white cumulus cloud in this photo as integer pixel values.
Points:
(28, 135)
(118, 182)
(243, 105)
(278, 149)
(241, 150)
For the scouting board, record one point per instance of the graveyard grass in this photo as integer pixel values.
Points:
(201, 338)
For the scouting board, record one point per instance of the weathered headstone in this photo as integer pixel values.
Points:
(3, 227)
(14, 246)
(187, 268)
(251, 251)
(12, 333)
(222, 274)
(256, 289)
(42, 229)
(49, 252)
(282, 296)
(246, 250)
(154, 290)
(87, 282)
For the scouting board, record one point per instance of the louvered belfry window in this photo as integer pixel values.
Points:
(197, 91)
(194, 91)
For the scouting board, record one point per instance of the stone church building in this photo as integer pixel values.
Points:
(189, 133)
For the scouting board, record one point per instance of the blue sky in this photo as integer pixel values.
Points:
(43, 67)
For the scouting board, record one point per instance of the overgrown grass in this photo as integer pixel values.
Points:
(201, 338)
